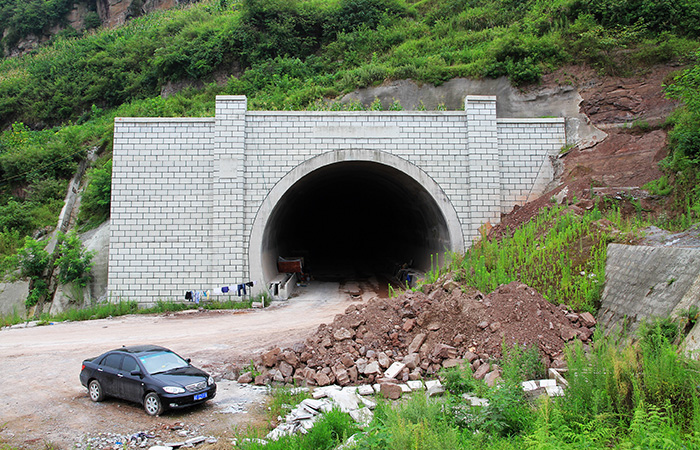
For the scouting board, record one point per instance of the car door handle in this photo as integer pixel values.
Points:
(99, 370)
(120, 375)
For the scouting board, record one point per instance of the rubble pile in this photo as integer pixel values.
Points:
(415, 334)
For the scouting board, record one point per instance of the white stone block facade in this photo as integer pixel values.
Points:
(190, 197)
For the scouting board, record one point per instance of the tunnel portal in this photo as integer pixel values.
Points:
(354, 219)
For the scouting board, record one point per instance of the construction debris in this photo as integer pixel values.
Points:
(414, 335)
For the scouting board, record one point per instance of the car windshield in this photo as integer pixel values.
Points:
(162, 362)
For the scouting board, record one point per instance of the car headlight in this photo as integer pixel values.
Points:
(173, 390)
(210, 381)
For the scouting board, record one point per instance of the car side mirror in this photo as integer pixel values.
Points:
(189, 361)
(136, 373)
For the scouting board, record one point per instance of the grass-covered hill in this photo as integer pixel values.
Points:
(61, 99)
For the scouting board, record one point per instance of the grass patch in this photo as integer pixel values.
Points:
(122, 308)
(559, 253)
(282, 400)
(330, 431)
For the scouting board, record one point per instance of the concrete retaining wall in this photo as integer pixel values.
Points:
(642, 282)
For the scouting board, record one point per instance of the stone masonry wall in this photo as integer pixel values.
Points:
(161, 224)
(186, 192)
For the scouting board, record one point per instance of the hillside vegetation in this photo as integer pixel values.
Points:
(60, 100)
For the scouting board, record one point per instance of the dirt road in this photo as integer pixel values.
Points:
(42, 400)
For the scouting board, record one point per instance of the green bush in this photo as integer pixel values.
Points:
(92, 20)
(508, 413)
(458, 380)
(73, 262)
(95, 202)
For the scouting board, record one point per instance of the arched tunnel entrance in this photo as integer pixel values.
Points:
(350, 220)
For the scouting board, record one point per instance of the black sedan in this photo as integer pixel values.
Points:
(154, 376)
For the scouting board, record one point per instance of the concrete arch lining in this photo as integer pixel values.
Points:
(428, 207)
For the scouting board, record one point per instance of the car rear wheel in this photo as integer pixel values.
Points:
(95, 391)
(152, 404)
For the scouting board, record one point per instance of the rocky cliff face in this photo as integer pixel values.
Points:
(116, 12)
(112, 13)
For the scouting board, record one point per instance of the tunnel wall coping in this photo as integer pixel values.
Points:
(190, 194)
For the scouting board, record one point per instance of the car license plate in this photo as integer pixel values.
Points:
(201, 396)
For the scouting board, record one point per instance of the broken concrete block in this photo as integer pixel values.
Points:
(310, 403)
(365, 389)
(431, 383)
(547, 383)
(323, 391)
(555, 391)
(405, 388)
(555, 375)
(415, 385)
(368, 402)
(529, 385)
(363, 416)
(435, 390)
(345, 400)
(452, 362)
(475, 401)
(394, 370)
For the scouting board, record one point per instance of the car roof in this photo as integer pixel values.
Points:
(140, 349)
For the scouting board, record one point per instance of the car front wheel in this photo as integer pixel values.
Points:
(152, 404)
(95, 391)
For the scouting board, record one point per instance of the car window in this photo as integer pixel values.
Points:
(162, 362)
(129, 364)
(114, 361)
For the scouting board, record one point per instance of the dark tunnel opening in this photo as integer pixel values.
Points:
(352, 220)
